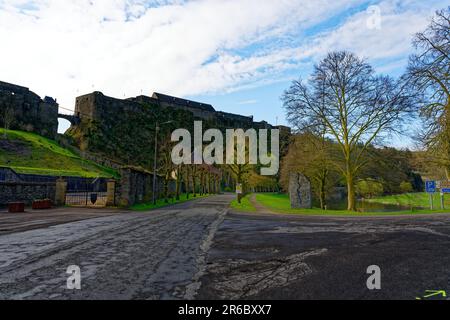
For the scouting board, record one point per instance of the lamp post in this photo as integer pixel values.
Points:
(156, 159)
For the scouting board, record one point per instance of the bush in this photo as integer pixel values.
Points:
(369, 188)
(406, 187)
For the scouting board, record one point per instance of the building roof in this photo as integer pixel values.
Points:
(227, 114)
(183, 102)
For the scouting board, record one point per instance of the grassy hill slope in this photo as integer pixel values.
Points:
(33, 154)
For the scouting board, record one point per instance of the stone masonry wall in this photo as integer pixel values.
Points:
(8, 175)
(31, 113)
(122, 129)
(136, 186)
(25, 192)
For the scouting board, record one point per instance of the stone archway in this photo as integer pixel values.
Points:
(63, 125)
(66, 121)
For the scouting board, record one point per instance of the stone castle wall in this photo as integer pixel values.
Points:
(123, 129)
(230, 118)
(31, 113)
(9, 175)
(136, 186)
(96, 104)
(111, 128)
(201, 114)
(25, 192)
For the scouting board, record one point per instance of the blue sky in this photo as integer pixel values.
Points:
(238, 55)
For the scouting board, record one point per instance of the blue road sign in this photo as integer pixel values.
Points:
(430, 186)
(445, 190)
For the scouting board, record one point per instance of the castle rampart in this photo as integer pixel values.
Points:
(30, 112)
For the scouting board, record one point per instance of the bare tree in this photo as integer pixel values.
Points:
(241, 174)
(429, 76)
(203, 173)
(166, 167)
(194, 175)
(352, 104)
(178, 172)
(186, 179)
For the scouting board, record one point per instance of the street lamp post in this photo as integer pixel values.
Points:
(156, 159)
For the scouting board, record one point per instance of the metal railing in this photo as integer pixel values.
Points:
(86, 199)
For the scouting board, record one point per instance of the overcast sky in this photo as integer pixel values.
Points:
(238, 55)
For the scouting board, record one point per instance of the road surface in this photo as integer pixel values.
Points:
(291, 257)
(157, 255)
(200, 250)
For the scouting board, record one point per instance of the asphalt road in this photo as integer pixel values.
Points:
(199, 250)
(37, 219)
(289, 257)
(157, 255)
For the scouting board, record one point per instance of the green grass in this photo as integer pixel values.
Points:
(421, 199)
(280, 203)
(30, 153)
(160, 203)
(244, 206)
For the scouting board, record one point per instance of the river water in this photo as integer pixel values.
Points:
(365, 206)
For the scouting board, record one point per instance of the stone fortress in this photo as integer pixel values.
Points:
(33, 114)
(93, 106)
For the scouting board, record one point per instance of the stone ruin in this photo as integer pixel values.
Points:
(300, 191)
(30, 112)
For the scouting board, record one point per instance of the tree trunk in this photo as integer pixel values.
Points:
(194, 194)
(323, 193)
(166, 190)
(178, 184)
(186, 182)
(351, 192)
(201, 184)
(447, 134)
(322, 197)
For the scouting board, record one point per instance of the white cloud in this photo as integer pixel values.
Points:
(392, 40)
(247, 102)
(120, 47)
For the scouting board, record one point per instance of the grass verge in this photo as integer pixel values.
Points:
(160, 203)
(280, 203)
(244, 206)
(421, 199)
